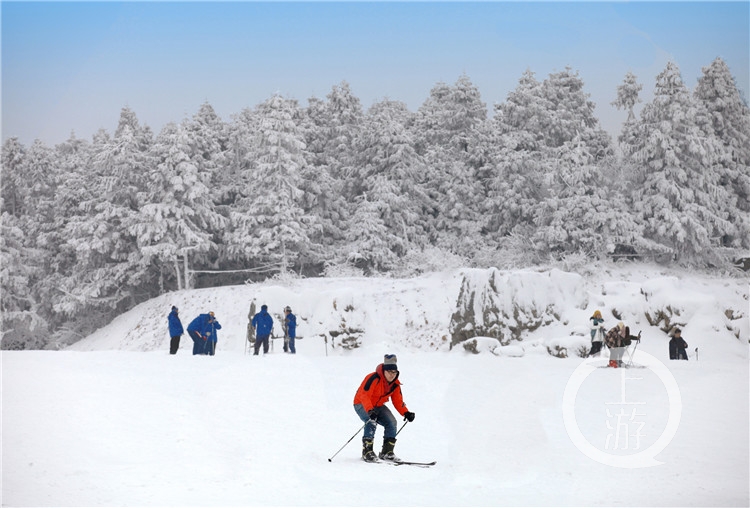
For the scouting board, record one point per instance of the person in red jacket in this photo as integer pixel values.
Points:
(369, 403)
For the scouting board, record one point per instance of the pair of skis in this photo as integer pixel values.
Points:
(410, 463)
(404, 463)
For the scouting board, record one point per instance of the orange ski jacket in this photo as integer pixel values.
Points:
(375, 391)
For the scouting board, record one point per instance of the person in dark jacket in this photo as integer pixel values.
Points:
(678, 346)
(290, 330)
(175, 331)
(199, 330)
(263, 324)
(369, 403)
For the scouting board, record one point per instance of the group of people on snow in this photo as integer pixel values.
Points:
(383, 385)
(203, 331)
(618, 339)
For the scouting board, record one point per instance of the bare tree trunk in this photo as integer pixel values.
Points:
(283, 258)
(188, 279)
(177, 271)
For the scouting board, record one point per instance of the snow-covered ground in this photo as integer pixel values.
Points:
(116, 421)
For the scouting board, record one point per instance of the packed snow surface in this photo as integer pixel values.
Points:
(117, 421)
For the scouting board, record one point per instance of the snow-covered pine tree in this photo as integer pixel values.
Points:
(446, 130)
(388, 171)
(627, 97)
(208, 138)
(13, 184)
(624, 174)
(21, 324)
(367, 246)
(269, 224)
(26, 194)
(109, 268)
(514, 173)
(730, 120)
(344, 117)
(582, 214)
(177, 217)
(449, 116)
(576, 215)
(680, 200)
(322, 196)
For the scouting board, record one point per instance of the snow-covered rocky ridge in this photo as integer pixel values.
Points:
(519, 310)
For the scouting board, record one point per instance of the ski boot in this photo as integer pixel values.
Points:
(387, 452)
(367, 454)
(613, 363)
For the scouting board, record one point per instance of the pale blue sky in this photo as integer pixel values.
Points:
(72, 66)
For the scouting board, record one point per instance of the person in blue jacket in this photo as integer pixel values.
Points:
(212, 337)
(200, 329)
(263, 324)
(175, 331)
(290, 330)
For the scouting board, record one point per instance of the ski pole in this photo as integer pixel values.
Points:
(402, 427)
(350, 440)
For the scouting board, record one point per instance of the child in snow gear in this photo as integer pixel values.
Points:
(263, 324)
(175, 331)
(375, 390)
(199, 330)
(290, 330)
(678, 346)
(597, 333)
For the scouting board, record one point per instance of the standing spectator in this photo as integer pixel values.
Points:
(615, 340)
(290, 330)
(375, 390)
(175, 331)
(199, 329)
(678, 346)
(212, 336)
(263, 324)
(597, 333)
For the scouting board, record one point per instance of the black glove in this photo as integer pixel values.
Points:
(409, 416)
(373, 415)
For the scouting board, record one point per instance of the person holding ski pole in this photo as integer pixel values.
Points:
(369, 403)
(263, 324)
(175, 331)
(212, 336)
(617, 339)
(198, 330)
(290, 330)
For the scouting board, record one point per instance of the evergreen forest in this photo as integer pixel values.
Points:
(91, 228)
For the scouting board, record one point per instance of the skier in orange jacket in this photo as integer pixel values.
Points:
(375, 390)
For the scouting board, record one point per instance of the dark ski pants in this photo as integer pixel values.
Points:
(174, 344)
(596, 347)
(385, 418)
(261, 339)
(289, 345)
(199, 345)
